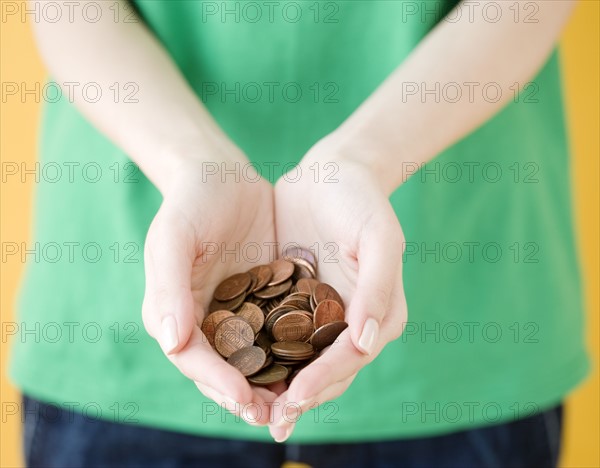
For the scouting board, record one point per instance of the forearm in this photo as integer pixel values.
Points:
(166, 124)
(395, 126)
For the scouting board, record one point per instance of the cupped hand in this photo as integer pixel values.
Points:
(337, 207)
(197, 239)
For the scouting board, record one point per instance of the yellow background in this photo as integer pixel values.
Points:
(580, 53)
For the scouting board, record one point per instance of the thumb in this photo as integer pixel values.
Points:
(168, 310)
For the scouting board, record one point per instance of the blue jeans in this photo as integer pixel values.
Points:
(69, 440)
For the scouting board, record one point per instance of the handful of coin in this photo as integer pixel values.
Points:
(273, 320)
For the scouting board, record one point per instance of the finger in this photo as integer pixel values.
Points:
(286, 413)
(395, 319)
(255, 413)
(219, 399)
(341, 361)
(283, 418)
(200, 363)
(281, 433)
(379, 258)
(168, 309)
(265, 401)
(329, 393)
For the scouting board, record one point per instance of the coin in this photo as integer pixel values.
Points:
(256, 301)
(282, 271)
(307, 285)
(292, 350)
(327, 334)
(268, 361)
(263, 340)
(248, 360)
(274, 291)
(303, 269)
(275, 314)
(227, 305)
(294, 252)
(283, 362)
(323, 291)
(272, 303)
(293, 326)
(210, 323)
(253, 282)
(232, 287)
(263, 274)
(269, 375)
(265, 321)
(232, 334)
(313, 304)
(328, 311)
(253, 315)
(298, 301)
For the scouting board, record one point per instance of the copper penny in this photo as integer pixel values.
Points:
(232, 334)
(307, 285)
(263, 274)
(255, 300)
(303, 269)
(313, 304)
(292, 350)
(226, 305)
(283, 362)
(275, 314)
(209, 324)
(327, 334)
(295, 252)
(253, 315)
(293, 326)
(266, 321)
(253, 282)
(248, 360)
(306, 312)
(282, 271)
(328, 311)
(298, 301)
(263, 340)
(323, 292)
(272, 303)
(273, 291)
(270, 375)
(232, 287)
(296, 295)
(268, 361)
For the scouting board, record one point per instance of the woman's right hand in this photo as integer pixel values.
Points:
(211, 208)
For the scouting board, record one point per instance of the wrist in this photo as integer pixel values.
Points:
(194, 158)
(348, 147)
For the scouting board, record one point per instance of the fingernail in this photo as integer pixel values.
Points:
(168, 333)
(286, 435)
(250, 413)
(368, 338)
(290, 415)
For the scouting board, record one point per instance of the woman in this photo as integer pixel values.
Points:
(360, 96)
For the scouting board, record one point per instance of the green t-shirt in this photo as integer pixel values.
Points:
(491, 273)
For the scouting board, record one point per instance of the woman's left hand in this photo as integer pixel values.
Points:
(347, 218)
